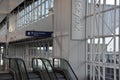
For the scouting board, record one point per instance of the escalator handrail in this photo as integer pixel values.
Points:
(37, 64)
(68, 65)
(51, 67)
(14, 74)
(24, 67)
(17, 66)
(42, 59)
(43, 64)
(11, 70)
(16, 60)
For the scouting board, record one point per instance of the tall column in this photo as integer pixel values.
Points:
(69, 40)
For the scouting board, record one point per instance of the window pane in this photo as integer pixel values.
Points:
(39, 2)
(52, 3)
(35, 13)
(43, 9)
(47, 7)
(43, 0)
(36, 4)
(39, 11)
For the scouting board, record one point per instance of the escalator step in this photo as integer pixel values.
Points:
(6, 76)
(60, 76)
(33, 75)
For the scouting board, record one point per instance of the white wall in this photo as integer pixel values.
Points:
(40, 25)
(64, 46)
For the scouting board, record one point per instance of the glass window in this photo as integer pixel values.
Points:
(22, 21)
(43, 10)
(30, 7)
(39, 2)
(27, 9)
(43, 0)
(29, 17)
(110, 4)
(35, 13)
(47, 7)
(103, 47)
(25, 20)
(35, 3)
(32, 15)
(39, 11)
(52, 3)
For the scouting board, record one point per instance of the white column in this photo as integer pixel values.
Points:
(71, 49)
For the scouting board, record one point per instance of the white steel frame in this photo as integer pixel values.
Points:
(103, 41)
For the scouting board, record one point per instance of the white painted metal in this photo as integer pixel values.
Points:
(115, 75)
(101, 19)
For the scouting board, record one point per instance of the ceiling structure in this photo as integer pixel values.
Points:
(6, 6)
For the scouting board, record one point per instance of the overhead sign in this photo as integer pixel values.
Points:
(38, 33)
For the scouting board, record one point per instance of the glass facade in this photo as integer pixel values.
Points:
(103, 39)
(32, 12)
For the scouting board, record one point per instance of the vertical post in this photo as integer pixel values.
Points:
(6, 44)
(99, 46)
(93, 41)
(103, 29)
(114, 40)
(119, 41)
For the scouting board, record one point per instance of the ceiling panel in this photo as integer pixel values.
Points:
(6, 6)
(14, 3)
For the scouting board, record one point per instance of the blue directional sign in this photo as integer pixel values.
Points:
(38, 33)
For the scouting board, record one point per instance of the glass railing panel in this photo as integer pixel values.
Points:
(13, 66)
(48, 66)
(66, 67)
(39, 65)
(49, 69)
(22, 68)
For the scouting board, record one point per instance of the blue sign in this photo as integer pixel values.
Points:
(38, 33)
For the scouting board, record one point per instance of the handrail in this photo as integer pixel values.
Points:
(13, 73)
(44, 66)
(16, 61)
(50, 66)
(10, 69)
(38, 70)
(67, 64)
(17, 67)
(42, 59)
(24, 67)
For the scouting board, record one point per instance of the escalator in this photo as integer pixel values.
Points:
(38, 64)
(24, 74)
(43, 69)
(7, 72)
(18, 66)
(21, 73)
(52, 73)
(62, 66)
(57, 68)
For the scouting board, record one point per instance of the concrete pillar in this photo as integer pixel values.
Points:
(65, 44)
